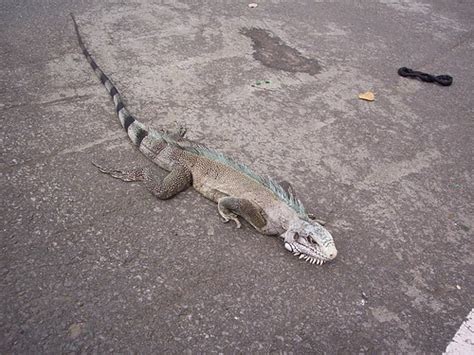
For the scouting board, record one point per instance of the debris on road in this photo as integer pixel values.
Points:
(260, 82)
(253, 5)
(444, 80)
(367, 96)
(75, 330)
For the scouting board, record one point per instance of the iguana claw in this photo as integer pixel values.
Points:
(235, 219)
(267, 206)
(313, 217)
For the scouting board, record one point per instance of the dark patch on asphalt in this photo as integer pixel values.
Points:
(463, 227)
(272, 52)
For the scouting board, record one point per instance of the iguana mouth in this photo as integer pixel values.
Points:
(310, 259)
(317, 256)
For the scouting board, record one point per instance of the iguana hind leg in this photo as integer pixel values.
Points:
(231, 207)
(178, 179)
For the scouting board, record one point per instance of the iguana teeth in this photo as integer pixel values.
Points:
(301, 256)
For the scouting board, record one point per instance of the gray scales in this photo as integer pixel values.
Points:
(270, 207)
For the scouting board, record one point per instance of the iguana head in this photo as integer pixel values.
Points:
(310, 241)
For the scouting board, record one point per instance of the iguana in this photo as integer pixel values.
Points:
(238, 191)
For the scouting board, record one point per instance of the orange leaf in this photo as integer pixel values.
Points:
(367, 96)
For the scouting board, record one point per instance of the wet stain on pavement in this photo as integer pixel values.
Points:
(272, 52)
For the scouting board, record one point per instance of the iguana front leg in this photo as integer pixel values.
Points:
(177, 132)
(231, 207)
(178, 179)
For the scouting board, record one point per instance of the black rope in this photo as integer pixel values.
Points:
(444, 80)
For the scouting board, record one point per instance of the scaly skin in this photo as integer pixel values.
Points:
(237, 191)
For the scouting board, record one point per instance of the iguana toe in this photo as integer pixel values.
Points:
(320, 221)
(135, 174)
(233, 218)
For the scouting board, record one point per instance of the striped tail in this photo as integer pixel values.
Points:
(135, 129)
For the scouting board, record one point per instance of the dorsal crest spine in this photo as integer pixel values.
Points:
(201, 150)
